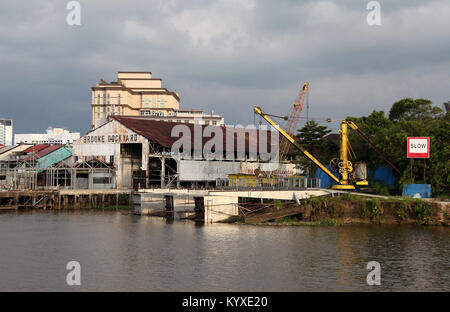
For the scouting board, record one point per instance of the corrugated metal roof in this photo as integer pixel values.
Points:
(44, 152)
(36, 148)
(159, 132)
(9, 150)
(54, 157)
(4, 149)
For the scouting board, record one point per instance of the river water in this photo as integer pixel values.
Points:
(118, 251)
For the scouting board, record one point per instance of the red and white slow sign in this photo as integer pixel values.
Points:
(419, 147)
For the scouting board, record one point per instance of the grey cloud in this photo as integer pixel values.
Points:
(223, 55)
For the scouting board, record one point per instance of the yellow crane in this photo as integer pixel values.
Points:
(350, 176)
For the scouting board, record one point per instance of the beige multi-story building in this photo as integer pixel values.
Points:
(132, 94)
(138, 94)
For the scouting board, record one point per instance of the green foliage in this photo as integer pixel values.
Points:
(380, 188)
(372, 209)
(313, 138)
(278, 205)
(330, 222)
(402, 213)
(407, 118)
(410, 109)
(316, 203)
(124, 200)
(422, 211)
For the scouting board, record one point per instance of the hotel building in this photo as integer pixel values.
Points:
(138, 94)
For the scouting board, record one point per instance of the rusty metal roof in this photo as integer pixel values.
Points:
(45, 151)
(36, 148)
(159, 132)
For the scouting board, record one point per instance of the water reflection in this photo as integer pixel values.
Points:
(124, 252)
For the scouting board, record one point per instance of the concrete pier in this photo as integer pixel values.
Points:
(210, 206)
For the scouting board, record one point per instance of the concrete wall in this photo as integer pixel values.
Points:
(192, 170)
(151, 201)
(220, 208)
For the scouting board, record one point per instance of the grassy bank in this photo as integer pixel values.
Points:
(354, 209)
(292, 221)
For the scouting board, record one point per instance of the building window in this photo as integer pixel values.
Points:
(118, 98)
(119, 110)
(162, 102)
(214, 122)
(146, 113)
(154, 101)
(101, 180)
(98, 99)
(104, 98)
(109, 99)
(146, 101)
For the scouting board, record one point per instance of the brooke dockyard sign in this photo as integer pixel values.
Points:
(418, 147)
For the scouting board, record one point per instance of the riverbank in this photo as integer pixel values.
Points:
(353, 209)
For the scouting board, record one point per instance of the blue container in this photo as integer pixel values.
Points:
(384, 175)
(417, 190)
(325, 180)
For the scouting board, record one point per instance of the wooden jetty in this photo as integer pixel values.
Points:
(65, 199)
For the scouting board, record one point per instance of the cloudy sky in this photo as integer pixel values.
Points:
(222, 55)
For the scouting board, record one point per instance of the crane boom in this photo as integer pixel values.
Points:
(291, 140)
(293, 120)
(349, 177)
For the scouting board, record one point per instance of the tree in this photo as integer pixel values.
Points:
(378, 129)
(408, 118)
(312, 137)
(410, 109)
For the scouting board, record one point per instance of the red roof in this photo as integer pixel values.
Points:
(36, 148)
(45, 151)
(159, 132)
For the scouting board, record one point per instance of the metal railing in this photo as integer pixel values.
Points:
(268, 183)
